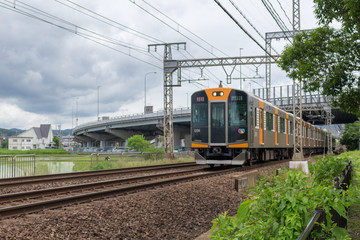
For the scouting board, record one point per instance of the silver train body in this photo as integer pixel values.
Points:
(233, 127)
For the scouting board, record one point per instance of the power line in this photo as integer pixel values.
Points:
(276, 17)
(74, 29)
(241, 27)
(191, 40)
(109, 21)
(157, 10)
(284, 12)
(171, 27)
(205, 69)
(243, 15)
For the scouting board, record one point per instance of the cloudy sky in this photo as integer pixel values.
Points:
(56, 54)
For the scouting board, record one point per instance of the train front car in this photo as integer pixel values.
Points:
(219, 126)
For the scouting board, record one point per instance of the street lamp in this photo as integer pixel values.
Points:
(145, 88)
(98, 98)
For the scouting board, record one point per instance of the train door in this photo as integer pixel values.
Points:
(261, 126)
(217, 122)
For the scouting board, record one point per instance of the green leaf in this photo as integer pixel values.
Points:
(243, 210)
(340, 233)
(340, 209)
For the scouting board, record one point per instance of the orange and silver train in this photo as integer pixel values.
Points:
(230, 126)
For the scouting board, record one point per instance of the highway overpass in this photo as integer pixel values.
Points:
(113, 132)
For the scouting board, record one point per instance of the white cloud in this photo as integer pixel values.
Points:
(13, 117)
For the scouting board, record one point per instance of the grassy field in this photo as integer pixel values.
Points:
(52, 161)
(4, 151)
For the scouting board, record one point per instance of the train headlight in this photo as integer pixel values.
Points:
(218, 94)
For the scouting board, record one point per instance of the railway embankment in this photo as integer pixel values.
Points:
(293, 205)
(183, 210)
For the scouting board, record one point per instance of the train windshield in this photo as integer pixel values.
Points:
(218, 114)
(200, 115)
(237, 114)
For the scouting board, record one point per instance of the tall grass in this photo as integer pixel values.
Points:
(34, 151)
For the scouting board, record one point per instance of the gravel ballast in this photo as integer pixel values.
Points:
(182, 211)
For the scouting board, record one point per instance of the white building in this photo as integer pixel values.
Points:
(34, 138)
(67, 141)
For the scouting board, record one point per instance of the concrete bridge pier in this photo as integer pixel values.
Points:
(181, 136)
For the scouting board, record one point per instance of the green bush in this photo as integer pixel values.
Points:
(280, 207)
(138, 143)
(324, 170)
(153, 153)
(103, 165)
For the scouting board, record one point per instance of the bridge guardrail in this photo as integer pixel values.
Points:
(130, 117)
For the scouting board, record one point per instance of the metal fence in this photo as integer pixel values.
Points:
(319, 214)
(17, 166)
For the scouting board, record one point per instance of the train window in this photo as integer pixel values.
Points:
(200, 115)
(269, 121)
(291, 127)
(218, 114)
(237, 114)
(282, 125)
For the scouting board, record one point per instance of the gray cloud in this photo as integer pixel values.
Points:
(45, 70)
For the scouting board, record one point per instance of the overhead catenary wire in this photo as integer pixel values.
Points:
(185, 28)
(242, 28)
(171, 27)
(177, 30)
(284, 12)
(76, 27)
(209, 72)
(91, 13)
(276, 17)
(109, 21)
(243, 15)
(73, 28)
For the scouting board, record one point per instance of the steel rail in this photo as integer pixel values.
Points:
(60, 202)
(5, 182)
(86, 186)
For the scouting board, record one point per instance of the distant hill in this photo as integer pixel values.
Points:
(8, 133)
(64, 132)
(16, 131)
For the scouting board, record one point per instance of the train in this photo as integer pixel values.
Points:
(234, 127)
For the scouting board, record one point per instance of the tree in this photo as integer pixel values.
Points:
(56, 141)
(5, 144)
(327, 59)
(138, 143)
(351, 136)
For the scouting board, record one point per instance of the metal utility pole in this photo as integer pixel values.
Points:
(297, 98)
(329, 118)
(168, 97)
(171, 66)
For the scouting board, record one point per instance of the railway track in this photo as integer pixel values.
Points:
(33, 201)
(6, 182)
